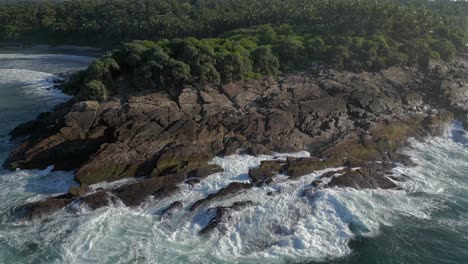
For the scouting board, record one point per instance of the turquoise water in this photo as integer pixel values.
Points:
(426, 222)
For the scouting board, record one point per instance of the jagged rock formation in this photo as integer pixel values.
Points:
(341, 118)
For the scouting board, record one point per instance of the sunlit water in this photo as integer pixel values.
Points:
(426, 222)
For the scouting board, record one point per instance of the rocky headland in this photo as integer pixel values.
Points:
(355, 122)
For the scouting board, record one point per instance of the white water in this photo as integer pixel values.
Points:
(281, 227)
(65, 57)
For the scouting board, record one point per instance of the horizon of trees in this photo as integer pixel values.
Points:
(107, 23)
(165, 44)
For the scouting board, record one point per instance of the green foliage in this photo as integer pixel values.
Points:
(338, 55)
(217, 42)
(418, 52)
(444, 48)
(93, 90)
(265, 63)
(291, 51)
(9, 32)
(110, 22)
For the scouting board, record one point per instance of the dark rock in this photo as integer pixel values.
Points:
(297, 167)
(51, 205)
(165, 192)
(231, 189)
(267, 169)
(76, 191)
(222, 214)
(309, 192)
(171, 209)
(193, 181)
(205, 171)
(97, 200)
(316, 183)
(399, 178)
(371, 177)
(41, 209)
(134, 194)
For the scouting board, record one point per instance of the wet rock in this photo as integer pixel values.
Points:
(166, 192)
(231, 189)
(193, 181)
(399, 178)
(370, 177)
(51, 205)
(309, 192)
(42, 209)
(76, 191)
(205, 171)
(297, 167)
(436, 124)
(134, 194)
(267, 169)
(97, 200)
(456, 93)
(316, 183)
(223, 214)
(131, 194)
(171, 209)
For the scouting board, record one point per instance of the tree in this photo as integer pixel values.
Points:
(314, 47)
(291, 53)
(445, 48)
(93, 90)
(267, 35)
(338, 56)
(265, 63)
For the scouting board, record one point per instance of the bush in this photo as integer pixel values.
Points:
(291, 53)
(93, 90)
(265, 63)
(445, 48)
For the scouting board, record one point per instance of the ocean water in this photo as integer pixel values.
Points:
(425, 222)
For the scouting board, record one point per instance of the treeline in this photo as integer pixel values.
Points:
(454, 11)
(110, 22)
(251, 53)
(213, 41)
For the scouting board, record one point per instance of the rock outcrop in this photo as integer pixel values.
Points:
(341, 118)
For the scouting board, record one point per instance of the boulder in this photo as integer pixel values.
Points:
(223, 215)
(171, 209)
(267, 169)
(297, 167)
(231, 189)
(369, 177)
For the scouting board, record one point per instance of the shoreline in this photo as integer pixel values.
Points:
(51, 49)
(343, 119)
(267, 180)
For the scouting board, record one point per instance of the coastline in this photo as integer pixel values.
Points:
(343, 119)
(284, 196)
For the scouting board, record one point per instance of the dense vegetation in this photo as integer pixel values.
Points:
(109, 22)
(250, 53)
(213, 41)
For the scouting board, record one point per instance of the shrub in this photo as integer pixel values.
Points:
(93, 90)
(265, 63)
(445, 48)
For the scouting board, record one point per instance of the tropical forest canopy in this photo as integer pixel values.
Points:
(107, 22)
(219, 41)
